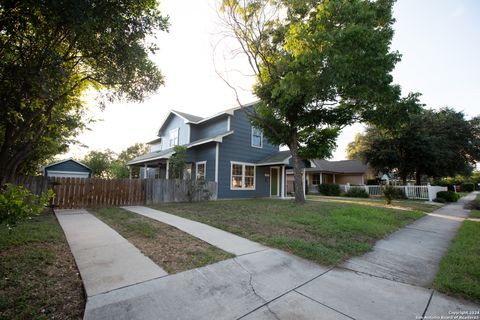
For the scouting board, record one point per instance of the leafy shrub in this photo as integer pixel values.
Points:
(451, 187)
(448, 196)
(467, 187)
(372, 182)
(17, 203)
(391, 193)
(439, 200)
(356, 193)
(329, 189)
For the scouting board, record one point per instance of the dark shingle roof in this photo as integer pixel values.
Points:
(189, 117)
(276, 158)
(343, 166)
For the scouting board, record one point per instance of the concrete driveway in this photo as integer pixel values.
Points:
(391, 282)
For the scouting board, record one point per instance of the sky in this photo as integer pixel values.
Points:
(439, 41)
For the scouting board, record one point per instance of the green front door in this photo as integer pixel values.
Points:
(274, 181)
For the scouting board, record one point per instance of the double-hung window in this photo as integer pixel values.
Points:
(201, 170)
(316, 178)
(257, 137)
(173, 138)
(242, 176)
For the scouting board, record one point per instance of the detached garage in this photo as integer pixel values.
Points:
(67, 168)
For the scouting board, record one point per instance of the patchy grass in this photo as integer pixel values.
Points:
(415, 205)
(459, 272)
(38, 275)
(170, 248)
(325, 232)
(475, 205)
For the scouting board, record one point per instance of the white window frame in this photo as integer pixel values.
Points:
(261, 138)
(243, 164)
(171, 141)
(204, 169)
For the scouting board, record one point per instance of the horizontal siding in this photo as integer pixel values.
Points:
(209, 128)
(237, 147)
(171, 123)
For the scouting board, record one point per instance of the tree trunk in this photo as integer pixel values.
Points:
(418, 177)
(297, 170)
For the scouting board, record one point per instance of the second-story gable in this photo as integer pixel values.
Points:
(210, 127)
(174, 131)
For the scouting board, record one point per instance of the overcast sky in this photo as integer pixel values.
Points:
(439, 41)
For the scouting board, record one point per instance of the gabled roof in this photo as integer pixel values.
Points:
(190, 118)
(281, 157)
(186, 116)
(342, 166)
(165, 154)
(66, 160)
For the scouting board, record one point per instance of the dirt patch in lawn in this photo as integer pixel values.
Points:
(170, 248)
(38, 275)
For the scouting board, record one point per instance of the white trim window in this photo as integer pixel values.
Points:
(173, 137)
(316, 179)
(242, 176)
(201, 170)
(257, 137)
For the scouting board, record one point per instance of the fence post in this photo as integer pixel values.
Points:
(367, 190)
(430, 192)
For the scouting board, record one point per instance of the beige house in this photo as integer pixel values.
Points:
(352, 172)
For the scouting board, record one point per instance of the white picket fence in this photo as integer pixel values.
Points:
(427, 192)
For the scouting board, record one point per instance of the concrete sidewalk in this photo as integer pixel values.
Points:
(272, 284)
(106, 260)
(412, 254)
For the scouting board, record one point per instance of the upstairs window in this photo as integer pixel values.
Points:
(257, 137)
(173, 139)
(200, 170)
(242, 176)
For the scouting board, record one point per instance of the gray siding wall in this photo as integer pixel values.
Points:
(237, 147)
(209, 128)
(68, 166)
(173, 122)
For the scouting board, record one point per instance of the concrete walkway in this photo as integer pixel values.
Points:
(219, 238)
(272, 284)
(412, 254)
(106, 260)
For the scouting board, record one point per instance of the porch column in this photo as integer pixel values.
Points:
(321, 178)
(145, 171)
(303, 181)
(282, 193)
(166, 171)
(129, 172)
(334, 178)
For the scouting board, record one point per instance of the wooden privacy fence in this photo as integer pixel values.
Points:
(92, 192)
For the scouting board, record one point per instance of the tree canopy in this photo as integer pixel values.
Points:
(319, 66)
(52, 52)
(432, 143)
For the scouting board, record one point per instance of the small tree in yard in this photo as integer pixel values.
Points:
(318, 66)
(177, 164)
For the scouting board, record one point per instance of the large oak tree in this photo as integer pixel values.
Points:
(319, 65)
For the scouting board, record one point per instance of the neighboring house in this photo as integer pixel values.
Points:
(224, 148)
(67, 168)
(319, 171)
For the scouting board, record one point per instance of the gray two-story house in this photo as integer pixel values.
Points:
(224, 148)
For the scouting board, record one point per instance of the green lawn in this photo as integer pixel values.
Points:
(459, 272)
(38, 275)
(476, 213)
(325, 232)
(170, 248)
(418, 205)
